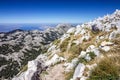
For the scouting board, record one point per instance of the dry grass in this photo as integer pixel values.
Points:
(109, 66)
(77, 36)
(64, 44)
(69, 75)
(56, 42)
(85, 45)
(71, 56)
(62, 54)
(23, 69)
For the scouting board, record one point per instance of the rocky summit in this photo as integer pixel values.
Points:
(17, 47)
(90, 51)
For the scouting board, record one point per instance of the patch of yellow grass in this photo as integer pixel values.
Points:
(69, 75)
(109, 66)
(64, 44)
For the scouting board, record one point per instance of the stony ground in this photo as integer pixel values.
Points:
(55, 73)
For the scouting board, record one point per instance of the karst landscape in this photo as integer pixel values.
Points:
(59, 39)
(88, 51)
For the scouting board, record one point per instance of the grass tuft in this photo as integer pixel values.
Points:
(64, 45)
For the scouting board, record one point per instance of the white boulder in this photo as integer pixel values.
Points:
(71, 65)
(113, 35)
(82, 54)
(104, 43)
(106, 48)
(90, 48)
(78, 29)
(87, 57)
(79, 71)
(96, 51)
(34, 69)
(55, 59)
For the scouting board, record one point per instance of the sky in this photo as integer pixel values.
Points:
(55, 11)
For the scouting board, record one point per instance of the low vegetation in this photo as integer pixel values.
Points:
(107, 69)
(109, 66)
(64, 44)
(75, 49)
(24, 68)
(56, 42)
(82, 60)
(92, 55)
(69, 75)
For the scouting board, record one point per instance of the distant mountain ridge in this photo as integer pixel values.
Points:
(17, 47)
(7, 27)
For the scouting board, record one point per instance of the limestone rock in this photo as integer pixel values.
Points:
(71, 65)
(82, 54)
(104, 43)
(55, 59)
(79, 70)
(105, 48)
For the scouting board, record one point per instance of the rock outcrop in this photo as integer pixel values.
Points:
(84, 47)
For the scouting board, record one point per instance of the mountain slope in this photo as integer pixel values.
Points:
(18, 47)
(86, 52)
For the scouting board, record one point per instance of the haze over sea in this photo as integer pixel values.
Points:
(6, 27)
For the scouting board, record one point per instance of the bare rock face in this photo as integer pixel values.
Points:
(79, 71)
(35, 67)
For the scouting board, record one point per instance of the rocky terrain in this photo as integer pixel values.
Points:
(90, 51)
(18, 47)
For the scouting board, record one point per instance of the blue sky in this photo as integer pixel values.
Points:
(55, 11)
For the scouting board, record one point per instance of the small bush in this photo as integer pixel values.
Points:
(82, 60)
(92, 55)
(85, 40)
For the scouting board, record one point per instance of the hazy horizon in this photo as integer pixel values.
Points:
(6, 27)
(15, 13)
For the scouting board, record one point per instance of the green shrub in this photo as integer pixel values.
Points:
(92, 55)
(85, 40)
(82, 60)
